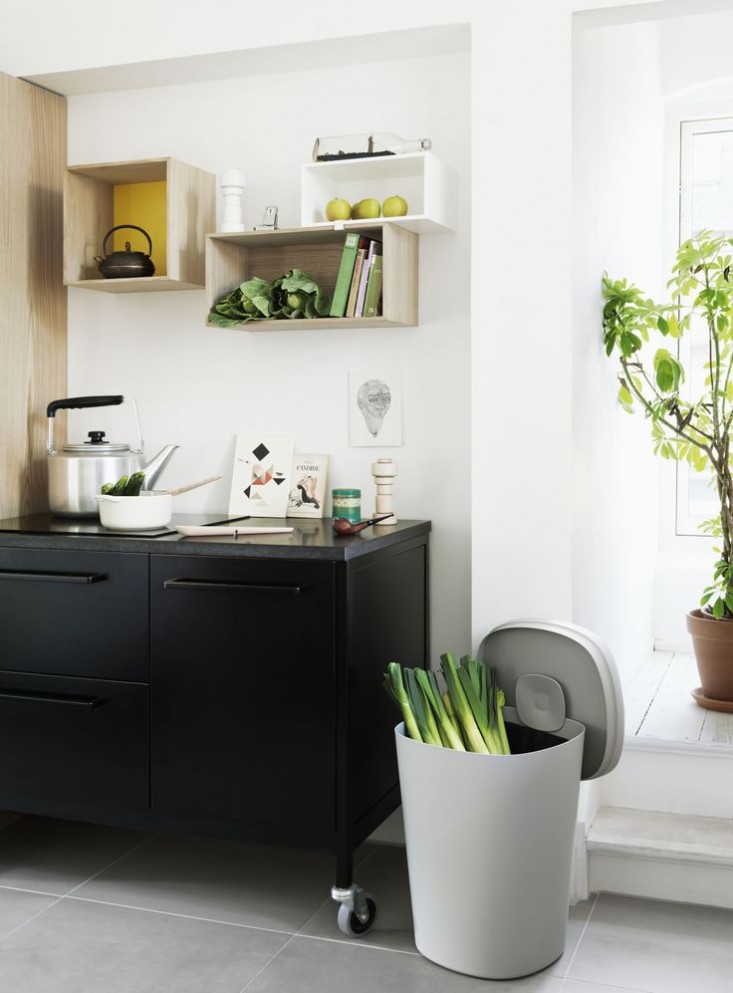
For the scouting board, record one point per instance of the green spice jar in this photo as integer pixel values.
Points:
(347, 503)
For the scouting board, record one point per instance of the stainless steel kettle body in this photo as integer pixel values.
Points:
(77, 472)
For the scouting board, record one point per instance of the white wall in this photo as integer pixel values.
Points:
(618, 161)
(198, 386)
(521, 453)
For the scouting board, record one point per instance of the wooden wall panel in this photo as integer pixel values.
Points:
(32, 294)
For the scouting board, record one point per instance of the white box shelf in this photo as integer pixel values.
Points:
(419, 177)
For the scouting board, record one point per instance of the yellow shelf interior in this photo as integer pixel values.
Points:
(144, 205)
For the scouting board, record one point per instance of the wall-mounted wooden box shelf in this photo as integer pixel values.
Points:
(233, 258)
(188, 213)
(419, 177)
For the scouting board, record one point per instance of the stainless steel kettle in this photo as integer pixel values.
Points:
(77, 472)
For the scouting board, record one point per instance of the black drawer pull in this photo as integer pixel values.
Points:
(87, 703)
(220, 584)
(54, 577)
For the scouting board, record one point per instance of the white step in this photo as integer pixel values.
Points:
(671, 777)
(685, 858)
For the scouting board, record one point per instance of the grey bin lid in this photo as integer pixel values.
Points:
(581, 665)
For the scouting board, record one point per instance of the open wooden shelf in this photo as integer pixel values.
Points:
(190, 211)
(233, 258)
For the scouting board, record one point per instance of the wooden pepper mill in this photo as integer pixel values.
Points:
(384, 472)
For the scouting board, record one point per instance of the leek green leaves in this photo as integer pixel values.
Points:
(467, 716)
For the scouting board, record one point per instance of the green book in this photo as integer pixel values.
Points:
(374, 288)
(346, 271)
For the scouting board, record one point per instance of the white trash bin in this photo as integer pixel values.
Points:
(490, 837)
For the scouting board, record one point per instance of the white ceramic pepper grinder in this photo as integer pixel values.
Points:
(383, 473)
(232, 190)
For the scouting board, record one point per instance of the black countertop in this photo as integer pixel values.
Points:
(312, 539)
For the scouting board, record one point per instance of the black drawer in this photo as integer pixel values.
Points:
(74, 613)
(68, 741)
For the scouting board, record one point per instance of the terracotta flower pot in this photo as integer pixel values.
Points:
(712, 641)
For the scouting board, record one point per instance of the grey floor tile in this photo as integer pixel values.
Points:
(657, 947)
(384, 875)
(54, 856)
(312, 965)
(18, 907)
(80, 947)
(571, 986)
(219, 880)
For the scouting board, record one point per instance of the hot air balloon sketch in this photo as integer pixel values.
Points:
(375, 412)
(373, 400)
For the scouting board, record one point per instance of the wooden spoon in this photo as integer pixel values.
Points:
(189, 486)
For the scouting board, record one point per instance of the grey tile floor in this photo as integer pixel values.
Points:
(87, 909)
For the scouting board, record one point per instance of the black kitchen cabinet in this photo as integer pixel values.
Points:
(242, 691)
(222, 686)
(74, 747)
(76, 613)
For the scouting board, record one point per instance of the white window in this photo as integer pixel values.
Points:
(706, 201)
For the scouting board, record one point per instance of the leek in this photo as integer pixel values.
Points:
(421, 709)
(396, 688)
(473, 736)
(467, 716)
(448, 732)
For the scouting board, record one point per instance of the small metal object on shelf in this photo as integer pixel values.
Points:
(269, 220)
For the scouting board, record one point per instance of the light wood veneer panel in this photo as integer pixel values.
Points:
(32, 294)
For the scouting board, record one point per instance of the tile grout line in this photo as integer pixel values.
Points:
(30, 919)
(266, 965)
(63, 896)
(566, 975)
(94, 875)
(173, 913)
(355, 943)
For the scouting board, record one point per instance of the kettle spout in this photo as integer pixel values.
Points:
(156, 465)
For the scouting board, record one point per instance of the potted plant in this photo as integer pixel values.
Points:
(694, 429)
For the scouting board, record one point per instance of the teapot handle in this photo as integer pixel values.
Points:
(132, 227)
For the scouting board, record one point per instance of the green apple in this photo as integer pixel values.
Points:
(338, 209)
(394, 207)
(366, 209)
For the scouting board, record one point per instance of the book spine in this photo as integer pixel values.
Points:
(364, 278)
(374, 289)
(351, 305)
(346, 271)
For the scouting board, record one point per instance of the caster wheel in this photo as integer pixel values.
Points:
(350, 923)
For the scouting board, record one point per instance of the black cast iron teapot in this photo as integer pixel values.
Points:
(118, 265)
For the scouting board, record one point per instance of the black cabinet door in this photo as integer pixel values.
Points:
(242, 678)
(68, 745)
(74, 613)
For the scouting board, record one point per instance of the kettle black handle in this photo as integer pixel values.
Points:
(76, 402)
(132, 227)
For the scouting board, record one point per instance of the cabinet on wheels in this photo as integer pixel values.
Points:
(242, 693)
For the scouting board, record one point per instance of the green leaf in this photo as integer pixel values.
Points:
(625, 398)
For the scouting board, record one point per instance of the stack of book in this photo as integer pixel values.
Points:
(358, 290)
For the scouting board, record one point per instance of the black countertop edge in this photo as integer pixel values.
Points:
(314, 539)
